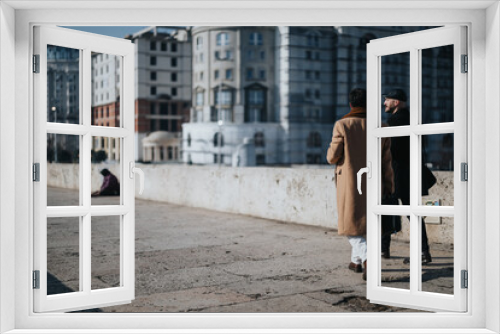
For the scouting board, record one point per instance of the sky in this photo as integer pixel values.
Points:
(114, 31)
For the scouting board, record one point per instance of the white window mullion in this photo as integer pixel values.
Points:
(128, 188)
(414, 175)
(86, 163)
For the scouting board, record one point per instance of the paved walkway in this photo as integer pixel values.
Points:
(196, 260)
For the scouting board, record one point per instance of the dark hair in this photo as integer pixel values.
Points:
(105, 172)
(357, 97)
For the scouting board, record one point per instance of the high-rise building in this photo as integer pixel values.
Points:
(162, 86)
(63, 103)
(281, 89)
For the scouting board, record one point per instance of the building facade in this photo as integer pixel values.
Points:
(162, 87)
(282, 89)
(63, 103)
(163, 82)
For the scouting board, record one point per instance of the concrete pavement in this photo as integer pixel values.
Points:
(196, 260)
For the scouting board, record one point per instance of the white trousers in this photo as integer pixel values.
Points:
(358, 249)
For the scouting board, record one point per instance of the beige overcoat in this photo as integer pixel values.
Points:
(348, 151)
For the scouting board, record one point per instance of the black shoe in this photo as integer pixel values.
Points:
(386, 254)
(426, 258)
(355, 267)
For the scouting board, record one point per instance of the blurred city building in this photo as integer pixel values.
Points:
(161, 146)
(162, 85)
(255, 95)
(63, 102)
(282, 88)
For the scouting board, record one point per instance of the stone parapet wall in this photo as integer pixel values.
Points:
(294, 195)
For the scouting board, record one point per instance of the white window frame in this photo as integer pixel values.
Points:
(484, 213)
(413, 43)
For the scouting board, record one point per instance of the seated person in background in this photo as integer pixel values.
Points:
(110, 185)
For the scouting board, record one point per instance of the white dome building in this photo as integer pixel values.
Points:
(161, 146)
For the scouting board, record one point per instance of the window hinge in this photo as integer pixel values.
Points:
(464, 171)
(465, 279)
(36, 279)
(36, 63)
(465, 64)
(36, 172)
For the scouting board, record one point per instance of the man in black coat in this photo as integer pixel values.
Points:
(395, 105)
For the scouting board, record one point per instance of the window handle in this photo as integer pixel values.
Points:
(134, 170)
(368, 171)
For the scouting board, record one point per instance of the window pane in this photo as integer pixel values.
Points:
(438, 274)
(63, 85)
(106, 88)
(395, 170)
(106, 171)
(105, 252)
(438, 170)
(395, 80)
(396, 265)
(63, 169)
(63, 255)
(437, 85)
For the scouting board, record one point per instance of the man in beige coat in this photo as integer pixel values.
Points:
(348, 151)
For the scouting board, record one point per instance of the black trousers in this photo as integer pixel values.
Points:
(386, 237)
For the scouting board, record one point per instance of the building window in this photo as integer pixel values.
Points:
(229, 74)
(314, 139)
(152, 108)
(255, 106)
(163, 108)
(189, 140)
(174, 91)
(152, 90)
(218, 140)
(216, 74)
(313, 40)
(260, 159)
(262, 55)
(250, 54)
(163, 46)
(173, 77)
(317, 94)
(173, 47)
(152, 60)
(225, 97)
(222, 39)
(308, 55)
(313, 159)
(199, 43)
(255, 38)
(152, 76)
(163, 125)
(201, 76)
(229, 54)
(308, 93)
(173, 108)
(173, 62)
(152, 46)
(308, 75)
(201, 58)
(317, 75)
(199, 98)
(262, 75)
(316, 56)
(249, 73)
(259, 139)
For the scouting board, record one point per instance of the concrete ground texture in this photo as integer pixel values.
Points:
(197, 260)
